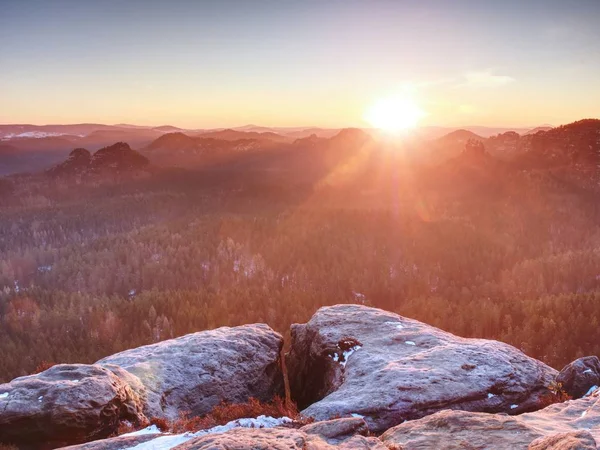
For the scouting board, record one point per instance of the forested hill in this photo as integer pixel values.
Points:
(478, 244)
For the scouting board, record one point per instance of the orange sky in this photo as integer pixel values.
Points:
(229, 63)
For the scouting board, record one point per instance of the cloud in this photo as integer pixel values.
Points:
(486, 79)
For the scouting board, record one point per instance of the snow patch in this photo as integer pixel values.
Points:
(587, 371)
(357, 415)
(514, 406)
(349, 352)
(396, 324)
(152, 429)
(583, 414)
(168, 441)
(591, 391)
(5, 395)
(40, 398)
(490, 395)
(409, 343)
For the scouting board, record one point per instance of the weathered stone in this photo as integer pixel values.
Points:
(337, 430)
(575, 440)
(354, 359)
(68, 403)
(116, 443)
(276, 439)
(536, 430)
(196, 372)
(579, 376)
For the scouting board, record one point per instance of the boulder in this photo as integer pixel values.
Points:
(68, 403)
(571, 425)
(198, 371)
(578, 377)
(352, 359)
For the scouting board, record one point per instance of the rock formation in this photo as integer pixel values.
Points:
(196, 372)
(578, 377)
(555, 427)
(353, 359)
(66, 403)
(421, 387)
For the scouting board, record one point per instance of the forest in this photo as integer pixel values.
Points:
(475, 246)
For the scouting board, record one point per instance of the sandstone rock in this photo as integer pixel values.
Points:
(460, 429)
(198, 371)
(337, 430)
(67, 403)
(579, 376)
(576, 440)
(354, 359)
(340, 433)
(116, 443)
(276, 439)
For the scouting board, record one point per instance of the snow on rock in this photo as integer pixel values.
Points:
(409, 343)
(590, 391)
(152, 429)
(198, 371)
(514, 406)
(490, 395)
(4, 395)
(168, 441)
(389, 380)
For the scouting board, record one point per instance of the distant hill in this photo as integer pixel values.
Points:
(115, 160)
(451, 144)
(538, 129)
(233, 135)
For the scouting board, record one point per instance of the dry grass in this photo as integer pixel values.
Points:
(226, 412)
(556, 394)
(44, 365)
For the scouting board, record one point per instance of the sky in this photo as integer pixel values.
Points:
(200, 64)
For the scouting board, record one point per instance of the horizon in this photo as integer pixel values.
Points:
(218, 65)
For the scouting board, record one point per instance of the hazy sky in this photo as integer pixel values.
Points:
(304, 62)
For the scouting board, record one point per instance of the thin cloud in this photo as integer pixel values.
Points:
(486, 79)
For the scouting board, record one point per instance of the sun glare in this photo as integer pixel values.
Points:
(394, 114)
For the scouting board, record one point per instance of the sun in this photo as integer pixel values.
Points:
(394, 114)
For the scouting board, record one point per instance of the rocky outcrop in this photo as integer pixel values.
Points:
(560, 426)
(76, 164)
(196, 372)
(578, 377)
(263, 433)
(341, 434)
(67, 403)
(354, 359)
(114, 160)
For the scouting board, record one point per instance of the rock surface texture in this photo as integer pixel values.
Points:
(348, 433)
(338, 434)
(67, 403)
(578, 377)
(571, 425)
(198, 371)
(354, 359)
